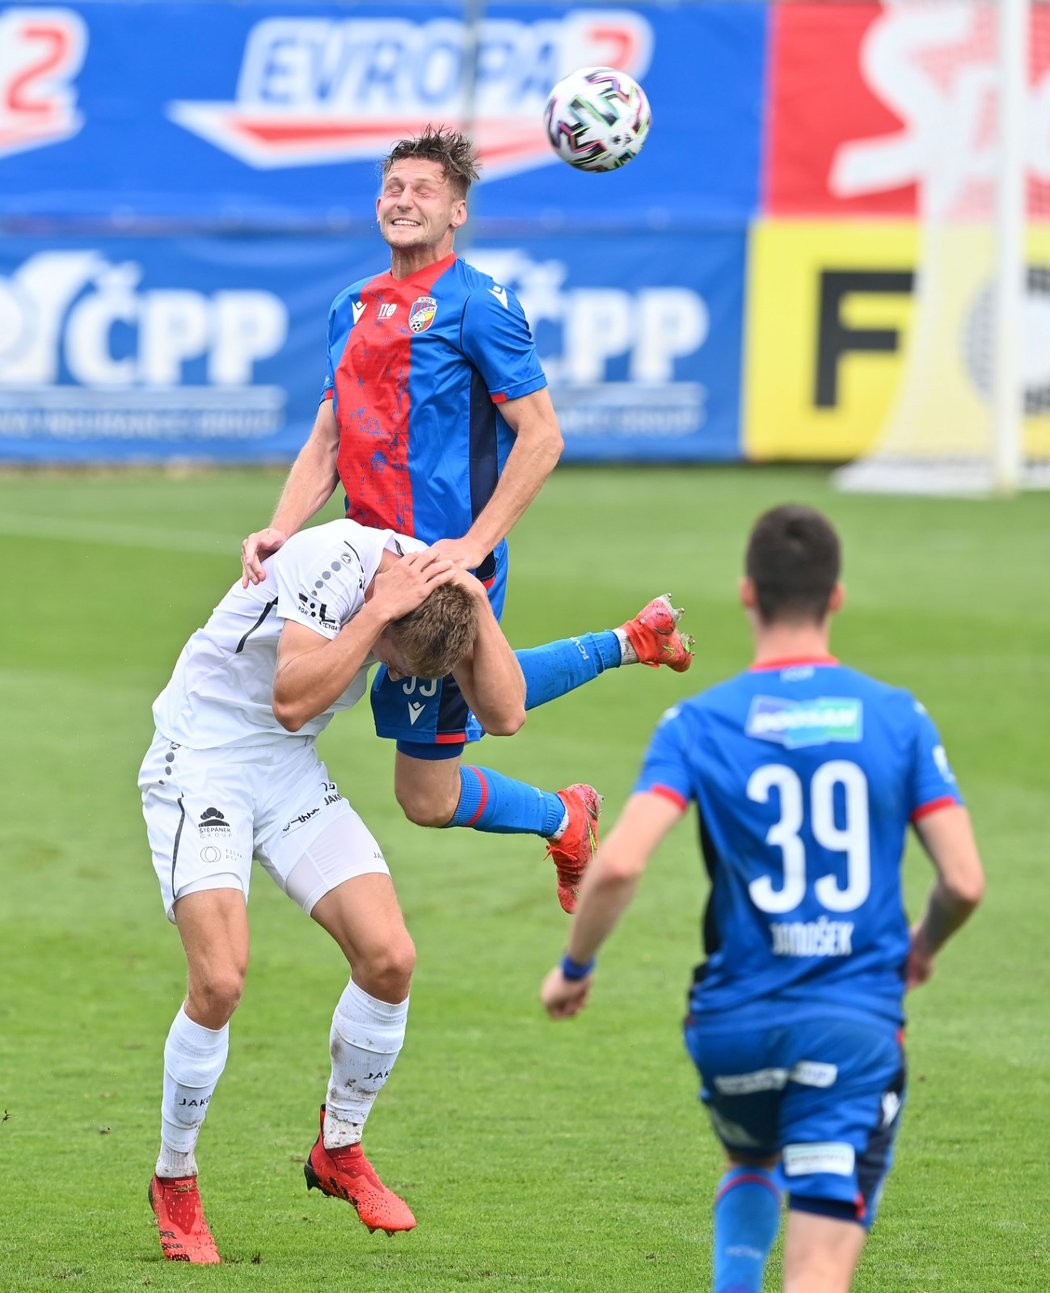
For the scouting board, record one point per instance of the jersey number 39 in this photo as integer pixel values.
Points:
(850, 839)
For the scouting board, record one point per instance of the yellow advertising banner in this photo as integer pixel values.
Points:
(849, 348)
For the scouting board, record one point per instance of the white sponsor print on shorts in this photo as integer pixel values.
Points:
(805, 1073)
(834, 1157)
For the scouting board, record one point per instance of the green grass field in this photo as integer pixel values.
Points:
(568, 1158)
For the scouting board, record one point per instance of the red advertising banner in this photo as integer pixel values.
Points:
(878, 109)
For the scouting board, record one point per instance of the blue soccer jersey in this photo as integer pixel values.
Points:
(417, 369)
(806, 775)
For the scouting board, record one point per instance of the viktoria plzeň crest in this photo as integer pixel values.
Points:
(422, 313)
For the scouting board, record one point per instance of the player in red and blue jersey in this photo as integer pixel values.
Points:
(437, 421)
(806, 776)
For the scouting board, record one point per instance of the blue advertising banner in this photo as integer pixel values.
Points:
(640, 337)
(263, 114)
(212, 348)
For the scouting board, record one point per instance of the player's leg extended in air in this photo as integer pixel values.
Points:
(434, 786)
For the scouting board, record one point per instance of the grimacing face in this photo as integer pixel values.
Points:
(417, 208)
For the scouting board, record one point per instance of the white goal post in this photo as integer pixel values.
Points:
(978, 349)
(1011, 263)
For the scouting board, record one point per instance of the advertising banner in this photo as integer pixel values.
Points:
(871, 104)
(640, 338)
(212, 348)
(829, 306)
(274, 114)
(143, 348)
(841, 353)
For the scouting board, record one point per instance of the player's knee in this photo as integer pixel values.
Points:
(214, 996)
(425, 806)
(507, 723)
(387, 972)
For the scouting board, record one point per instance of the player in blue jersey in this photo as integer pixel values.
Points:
(437, 422)
(806, 776)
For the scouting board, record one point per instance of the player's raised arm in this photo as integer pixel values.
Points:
(491, 679)
(314, 670)
(311, 480)
(534, 455)
(947, 836)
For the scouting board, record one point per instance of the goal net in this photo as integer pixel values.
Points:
(972, 411)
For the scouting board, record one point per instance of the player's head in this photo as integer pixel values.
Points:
(792, 565)
(432, 640)
(453, 151)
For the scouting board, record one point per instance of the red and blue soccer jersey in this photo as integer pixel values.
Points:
(417, 368)
(806, 775)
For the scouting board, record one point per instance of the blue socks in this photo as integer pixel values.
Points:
(489, 801)
(559, 667)
(747, 1217)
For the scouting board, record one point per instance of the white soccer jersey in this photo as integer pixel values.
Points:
(221, 692)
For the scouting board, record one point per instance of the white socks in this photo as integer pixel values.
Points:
(561, 827)
(628, 655)
(194, 1057)
(366, 1038)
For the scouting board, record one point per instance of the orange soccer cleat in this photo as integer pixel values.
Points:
(572, 851)
(654, 635)
(184, 1234)
(347, 1174)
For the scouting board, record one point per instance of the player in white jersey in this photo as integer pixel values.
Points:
(233, 773)
(806, 776)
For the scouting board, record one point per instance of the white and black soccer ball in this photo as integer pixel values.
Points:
(597, 118)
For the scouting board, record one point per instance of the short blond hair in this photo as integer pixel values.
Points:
(439, 633)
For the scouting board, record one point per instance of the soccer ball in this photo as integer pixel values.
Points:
(597, 118)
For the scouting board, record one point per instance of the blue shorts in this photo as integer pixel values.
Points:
(428, 717)
(822, 1090)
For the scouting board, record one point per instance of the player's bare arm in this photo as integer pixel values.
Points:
(537, 447)
(607, 890)
(947, 836)
(313, 671)
(310, 484)
(491, 679)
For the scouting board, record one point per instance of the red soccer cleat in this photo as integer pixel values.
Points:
(184, 1234)
(347, 1174)
(574, 848)
(654, 635)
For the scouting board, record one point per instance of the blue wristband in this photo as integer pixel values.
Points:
(575, 970)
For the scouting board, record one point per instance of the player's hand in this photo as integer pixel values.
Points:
(409, 582)
(254, 551)
(920, 960)
(562, 997)
(460, 551)
(462, 576)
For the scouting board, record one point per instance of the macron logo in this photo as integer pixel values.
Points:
(359, 309)
(415, 708)
(500, 293)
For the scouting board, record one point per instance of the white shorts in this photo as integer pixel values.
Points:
(209, 812)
